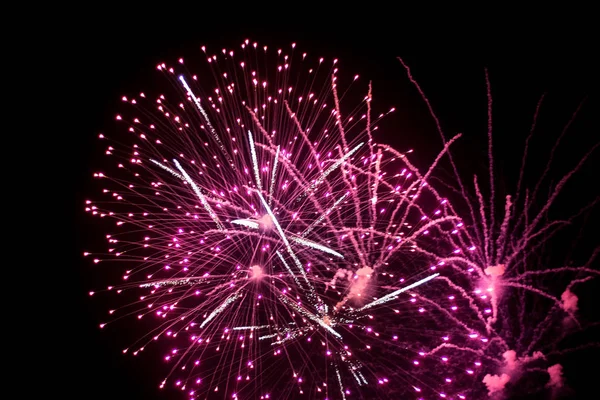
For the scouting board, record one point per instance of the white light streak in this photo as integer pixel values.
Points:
(394, 295)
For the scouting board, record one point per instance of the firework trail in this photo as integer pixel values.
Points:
(503, 258)
(278, 249)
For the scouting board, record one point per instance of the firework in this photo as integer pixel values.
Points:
(276, 246)
(500, 268)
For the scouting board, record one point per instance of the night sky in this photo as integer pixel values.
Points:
(104, 58)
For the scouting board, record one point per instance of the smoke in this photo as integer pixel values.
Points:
(495, 383)
(497, 270)
(569, 301)
(359, 282)
(536, 356)
(556, 377)
(510, 356)
(340, 274)
(511, 370)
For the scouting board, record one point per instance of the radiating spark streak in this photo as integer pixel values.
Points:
(273, 175)
(290, 334)
(254, 161)
(335, 166)
(479, 353)
(315, 246)
(394, 295)
(337, 372)
(310, 316)
(220, 309)
(268, 336)
(557, 189)
(544, 294)
(285, 264)
(173, 282)
(323, 216)
(363, 378)
(573, 349)
(256, 327)
(329, 170)
(356, 378)
(175, 174)
(490, 161)
(374, 187)
(501, 240)
(246, 222)
(287, 338)
(200, 195)
(207, 120)
(556, 270)
(483, 219)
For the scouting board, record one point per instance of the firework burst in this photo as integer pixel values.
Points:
(277, 247)
(501, 268)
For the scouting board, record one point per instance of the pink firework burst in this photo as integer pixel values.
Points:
(270, 245)
(521, 292)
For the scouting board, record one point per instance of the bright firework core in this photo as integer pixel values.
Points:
(256, 271)
(265, 222)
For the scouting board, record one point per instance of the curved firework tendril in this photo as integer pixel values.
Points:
(503, 265)
(276, 246)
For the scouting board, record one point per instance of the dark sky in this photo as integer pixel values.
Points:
(97, 58)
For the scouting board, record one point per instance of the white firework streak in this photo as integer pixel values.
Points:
(200, 195)
(220, 309)
(210, 127)
(273, 174)
(355, 377)
(316, 246)
(254, 161)
(252, 224)
(175, 174)
(272, 335)
(246, 222)
(322, 217)
(173, 282)
(255, 327)
(363, 378)
(290, 335)
(337, 372)
(329, 170)
(394, 295)
(310, 316)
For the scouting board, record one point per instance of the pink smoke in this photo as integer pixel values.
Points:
(569, 301)
(358, 283)
(556, 377)
(495, 383)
